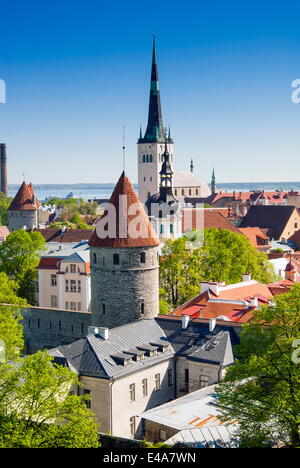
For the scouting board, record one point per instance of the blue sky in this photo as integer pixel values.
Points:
(76, 72)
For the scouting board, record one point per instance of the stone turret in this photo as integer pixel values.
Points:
(23, 210)
(124, 261)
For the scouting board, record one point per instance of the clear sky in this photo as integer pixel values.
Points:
(77, 71)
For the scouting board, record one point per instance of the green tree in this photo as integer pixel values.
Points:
(11, 330)
(262, 390)
(37, 409)
(223, 256)
(4, 204)
(19, 256)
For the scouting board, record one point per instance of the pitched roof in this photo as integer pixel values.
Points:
(233, 301)
(24, 199)
(272, 218)
(191, 217)
(126, 233)
(69, 235)
(93, 355)
(257, 238)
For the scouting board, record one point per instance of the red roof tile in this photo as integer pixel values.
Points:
(24, 199)
(122, 206)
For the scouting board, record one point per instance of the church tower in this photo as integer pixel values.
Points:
(213, 183)
(124, 262)
(151, 145)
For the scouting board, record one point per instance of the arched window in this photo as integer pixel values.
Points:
(144, 158)
(171, 229)
(161, 228)
(151, 158)
(160, 214)
(147, 157)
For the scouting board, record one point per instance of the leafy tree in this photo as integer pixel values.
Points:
(11, 330)
(37, 409)
(262, 390)
(223, 256)
(19, 256)
(4, 204)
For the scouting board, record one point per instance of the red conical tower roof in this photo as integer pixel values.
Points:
(24, 199)
(130, 227)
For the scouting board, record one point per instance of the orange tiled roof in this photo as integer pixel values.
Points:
(235, 302)
(255, 236)
(24, 199)
(148, 237)
(212, 219)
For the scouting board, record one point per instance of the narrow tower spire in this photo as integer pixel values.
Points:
(192, 165)
(213, 182)
(155, 129)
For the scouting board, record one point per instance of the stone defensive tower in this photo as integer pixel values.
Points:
(23, 210)
(124, 262)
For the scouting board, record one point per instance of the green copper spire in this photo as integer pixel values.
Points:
(155, 129)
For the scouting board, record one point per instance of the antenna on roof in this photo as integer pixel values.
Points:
(123, 148)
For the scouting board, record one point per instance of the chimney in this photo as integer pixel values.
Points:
(101, 331)
(185, 321)
(246, 276)
(212, 324)
(3, 169)
(215, 288)
(254, 302)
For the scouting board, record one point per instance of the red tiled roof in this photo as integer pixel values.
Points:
(204, 306)
(212, 219)
(49, 263)
(127, 238)
(69, 235)
(24, 199)
(256, 237)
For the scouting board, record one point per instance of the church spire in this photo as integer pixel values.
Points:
(192, 165)
(155, 129)
(213, 182)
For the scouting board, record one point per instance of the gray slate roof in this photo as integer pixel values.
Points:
(93, 355)
(196, 343)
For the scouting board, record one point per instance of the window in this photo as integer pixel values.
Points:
(175, 191)
(197, 191)
(72, 268)
(171, 229)
(296, 225)
(190, 192)
(85, 391)
(116, 259)
(72, 305)
(73, 286)
(103, 308)
(53, 301)
(95, 258)
(59, 325)
(145, 387)
(79, 285)
(67, 285)
(142, 307)
(132, 392)
(157, 382)
(38, 323)
(143, 257)
(203, 381)
(161, 228)
(170, 377)
(162, 435)
(186, 380)
(78, 305)
(132, 425)
(53, 280)
(182, 192)
(82, 327)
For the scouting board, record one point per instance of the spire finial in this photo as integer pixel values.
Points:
(123, 149)
(192, 165)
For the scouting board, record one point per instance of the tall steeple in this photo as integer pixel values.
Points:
(166, 173)
(213, 183)
(192, 165)
(155, 129)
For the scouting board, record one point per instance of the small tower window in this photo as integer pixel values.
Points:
(95, 258)
(161, 228)
(116, 259)
(142, 308)
(143, 257)
(103, 308)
